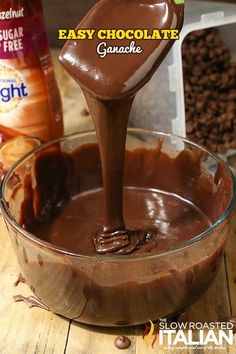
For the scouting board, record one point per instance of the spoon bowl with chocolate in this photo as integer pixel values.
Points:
(177, 205)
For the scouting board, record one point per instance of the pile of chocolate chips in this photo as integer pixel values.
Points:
(210, 91)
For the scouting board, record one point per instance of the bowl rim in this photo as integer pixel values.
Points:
(113, 258)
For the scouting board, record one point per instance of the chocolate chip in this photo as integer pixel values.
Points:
(221, 149)
(210, 91)
(122, 342)
(190, 128)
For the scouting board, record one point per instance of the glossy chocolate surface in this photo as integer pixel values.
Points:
(109, 86)
(95, 290)
(119, 75)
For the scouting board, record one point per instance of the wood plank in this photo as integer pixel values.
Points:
(23, 330)
(85, 339)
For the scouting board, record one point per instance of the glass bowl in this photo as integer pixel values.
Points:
(121, 290)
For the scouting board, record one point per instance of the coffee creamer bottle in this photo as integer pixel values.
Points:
(30, 104)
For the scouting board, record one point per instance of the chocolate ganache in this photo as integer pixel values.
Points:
(109, 86)
(150, 199)
(172, 196)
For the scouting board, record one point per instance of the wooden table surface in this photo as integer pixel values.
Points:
(25, 331)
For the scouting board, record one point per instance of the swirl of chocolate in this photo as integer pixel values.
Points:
(121, 242)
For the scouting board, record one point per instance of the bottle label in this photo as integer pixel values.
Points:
(22, 34)
(12, 88)
(11, 14)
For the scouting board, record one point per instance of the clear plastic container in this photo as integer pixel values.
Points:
(160, 104)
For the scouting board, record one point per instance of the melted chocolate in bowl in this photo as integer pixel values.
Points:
(176, 197)
(170, 219)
